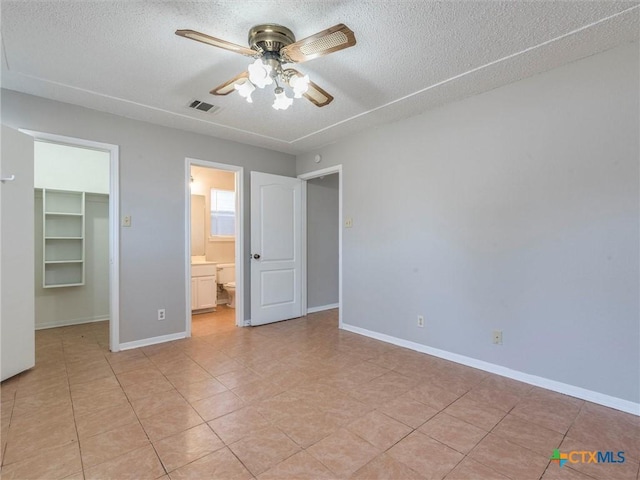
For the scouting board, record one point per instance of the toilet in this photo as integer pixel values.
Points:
(226, 273)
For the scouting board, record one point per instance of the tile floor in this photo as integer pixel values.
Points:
(298, 399)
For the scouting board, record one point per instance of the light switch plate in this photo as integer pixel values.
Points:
(126, 221)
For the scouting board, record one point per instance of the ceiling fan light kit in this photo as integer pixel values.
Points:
(273, 46)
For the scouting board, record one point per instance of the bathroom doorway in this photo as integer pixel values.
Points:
(214, 240)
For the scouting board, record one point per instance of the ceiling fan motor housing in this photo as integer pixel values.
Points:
(270, 38)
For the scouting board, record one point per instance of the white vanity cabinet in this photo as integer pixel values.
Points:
(204, 288)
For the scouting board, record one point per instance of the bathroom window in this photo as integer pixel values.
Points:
(223, 215)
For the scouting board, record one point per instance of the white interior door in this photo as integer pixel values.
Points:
(276, 236)
(17, 311)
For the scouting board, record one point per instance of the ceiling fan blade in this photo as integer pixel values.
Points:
(328, 41)
(216, 42)
(318, 96)
(229, 86)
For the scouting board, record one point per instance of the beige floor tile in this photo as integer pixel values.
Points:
(528, 435)
(309, 428)
(104, 420)
(173, 362)
(22, 444)
(46, 384)
(469, 469)
(264, 449)
(128, 364)
(384, 467)
(343, 452)
(285, 405)
(478, 414)
(94, 387)
(432, 396)
(217, 368)
(38, 419)
(602, 471)
(91, 375)
(170, 422)
(151, 388)
(75, 476)
(185, 447)
(379, 430)
(258, 390)
(504, 399)
(219, 465)
(185, 377)
(616, 429)
(554, 413)
(140, 375)
(124, 355)
(453, 432)
(49, 463)
(86, 405)
(329, 391)
(343, 408)
(139, 464)
(193, 392)
(33, 405)
(239, 424)
(111, 444)
(425, 455)
(555, 472)
(152, 405)
(217, 405)
(300, 466)
(519, 462)
(238, 377)
(408, 411)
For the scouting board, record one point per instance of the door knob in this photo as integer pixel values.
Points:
(256, 256)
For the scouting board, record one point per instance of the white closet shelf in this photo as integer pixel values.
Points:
(63, 238)
(65, 214)
(48, 262)
(63, 226)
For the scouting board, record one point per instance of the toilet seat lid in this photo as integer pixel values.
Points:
(230, 284)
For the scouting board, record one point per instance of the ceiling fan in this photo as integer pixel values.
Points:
(274, 46)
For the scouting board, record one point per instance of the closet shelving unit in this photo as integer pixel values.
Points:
(63, 238)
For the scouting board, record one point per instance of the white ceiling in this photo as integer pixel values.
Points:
(123, 57)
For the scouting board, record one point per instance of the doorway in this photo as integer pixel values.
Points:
(77, 245)
(214, 239)
(322, 276)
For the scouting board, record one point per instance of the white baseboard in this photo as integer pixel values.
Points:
(145, 342)
(75, 321)
(322, 308)
(572, 390)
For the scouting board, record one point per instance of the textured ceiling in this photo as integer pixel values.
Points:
(124, 58)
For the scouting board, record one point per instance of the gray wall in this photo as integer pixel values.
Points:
(515, 210)
(152, 191)
(322, 241)
(89, 302)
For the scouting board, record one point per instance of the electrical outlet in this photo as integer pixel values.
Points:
(497, 337)
(348, 223)
(162, 315)
(421, 321)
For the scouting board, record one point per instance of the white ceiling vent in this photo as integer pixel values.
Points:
(203, 106)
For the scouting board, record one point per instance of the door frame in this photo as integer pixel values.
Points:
(114, 223)
(239, 242)
(308, 176)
